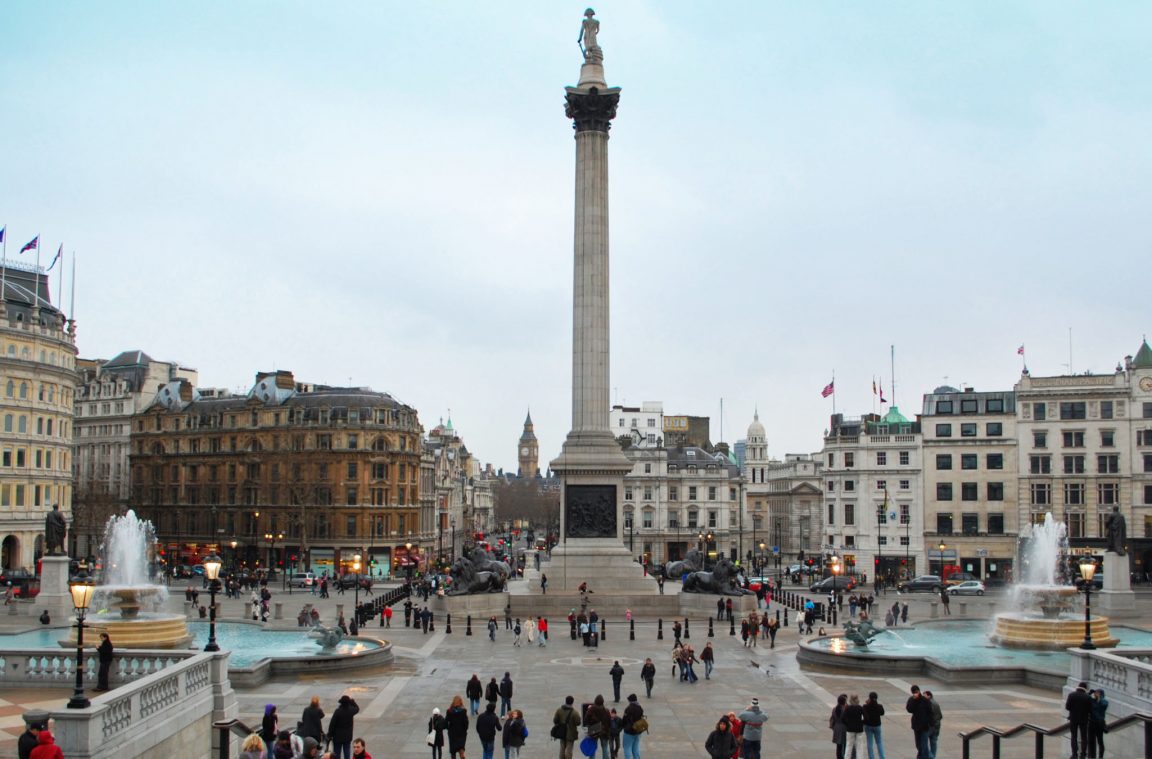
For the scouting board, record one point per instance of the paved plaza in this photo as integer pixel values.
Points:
(430, 669)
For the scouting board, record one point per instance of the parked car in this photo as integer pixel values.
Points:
(931, 583)
(967, 588)
(958, 577)
(303, 580)
(839, 582)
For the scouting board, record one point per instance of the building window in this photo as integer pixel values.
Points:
(968, 429)
(968, 406)
(943, 491)
(1039, 411)
(881, 484)
(849, 459)
(944, 523)
(1073, 465)
(1105, 409)
(1147, 410)
(831, 513)
(647, 519)
(969, 461)
(712, 519)
(905, 484)
(881, 458)
(350, 526)
(691, 492)
(969, 491)
(1040, 439)
(711, 492)
(1073, 494)
(673, 493)
(1073, 409)
(995, 524)
(693, 518)
(1040, 464)
(1147, 462)
(943, 430)
(904, 458)
(970, 523)
(943, 461)
(1075, 521)
(647, 469)
(1074, 439)
(628, 494)
(1147, 492)
(647, 492)
(831, 486)
(905, 513)
(995, 460)
(944, 407)
(1107, 438)
(995, 491)
(1040, 494)
(994, 429)
(1108, 464)
(849, 485)
(849, 514)
(831, 459)
(1108, 494)
(994, 405)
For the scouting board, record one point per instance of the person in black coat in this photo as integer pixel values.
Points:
(30, 739)
(720, 743)
(492, 691)
(340, 727)
(474, 690)
(617, 673)
(487, 725)
(921, 712)
(312, 721)
(506, 694)
(1079, 706)
(104, 653)
(457, 719)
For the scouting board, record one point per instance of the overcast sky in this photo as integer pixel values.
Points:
(381, 194)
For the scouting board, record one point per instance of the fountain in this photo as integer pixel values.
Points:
(1057, 625)
(128, 600)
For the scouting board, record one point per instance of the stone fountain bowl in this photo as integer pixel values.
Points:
(130, 599)
(1051, 600)
(1053, 625)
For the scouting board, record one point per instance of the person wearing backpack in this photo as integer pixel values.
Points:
(633, 726)
(566, 727)
(515, 733)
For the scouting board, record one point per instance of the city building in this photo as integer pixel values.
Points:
(682, 431)
(676, 499)
(528, 450)
(970, 471)
(1086, 448)
(109, 394)
(643, 425)
(289, 474)
(874, 517)
(37, 385)
(463, 488)
(790, 497)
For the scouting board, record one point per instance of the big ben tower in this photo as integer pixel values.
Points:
(529, 450)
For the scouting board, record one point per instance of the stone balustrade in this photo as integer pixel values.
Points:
(38, 667)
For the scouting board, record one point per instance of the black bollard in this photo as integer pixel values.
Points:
(710, 633)
(468, 626)
(448, 625)
(686, 633)
(732, 626)
(835, 614)
(631, 629)
(785, 616)
(777, 616)
(603, 629)
(659, 629)
(432, 623)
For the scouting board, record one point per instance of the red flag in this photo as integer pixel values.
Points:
(1020, 351)
(33, 245)
(828, 389)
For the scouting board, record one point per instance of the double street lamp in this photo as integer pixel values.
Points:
(81, 588)
(356, 596)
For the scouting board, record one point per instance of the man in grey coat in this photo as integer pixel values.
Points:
(753, 721)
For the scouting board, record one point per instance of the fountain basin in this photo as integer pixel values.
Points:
(146, 630)
(1020, 630)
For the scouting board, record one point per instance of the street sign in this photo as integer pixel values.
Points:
(982, 552)
(776, 549)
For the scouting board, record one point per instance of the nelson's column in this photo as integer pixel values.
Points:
(591, 465)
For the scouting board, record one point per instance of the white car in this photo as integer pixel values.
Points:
(303, 580)
(967, 588)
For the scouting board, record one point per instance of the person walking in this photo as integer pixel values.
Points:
(945, 601)
(837, 725)
(341, 725)
(474, 690)
(436, 727)
(632, 726)
(269, 727)
(508, 616)
(1079, 706)
(648, 675)
(544, 584)
(904, 613)
(1097, 724)
(487, 725)
(492, 629)
(873, 711)
(934, 730)
(457, 720)
(854, 726)
(921, 712)
(773, 628)
(105, 654)
(516, 631)
(515, 733)
(542, 630)
(599, 724)
(676, 630)
(566, 727)
(720, 743)
(530, 630)
(492, 691)
(617, 673)
(719, 609)
(312, 721)
(387, 616)
(506, 694)
(753, 721)
(728, 608)
(708, 656)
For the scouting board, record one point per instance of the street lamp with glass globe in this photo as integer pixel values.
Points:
(356, 597)
(760, 561)
(81, 587)
(1088, 571)
(212, 574)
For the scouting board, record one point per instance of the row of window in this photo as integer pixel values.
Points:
(1079, 410)
(881, 485)
(1075, 464)
(379, 470)
(904, 458)
(971, 429)
(46, 391)
(970, 461)
(648, 518)
(322, 441)
(1107, 493)
(319, 525)
(41, 458)
(319, 495)
(649, 491)
(635, 424)
(45, 425)
(970, 523)
(104, 409)
(905, 514)
(20, 494)
(970, 491)
(25, 354)
(306, 415)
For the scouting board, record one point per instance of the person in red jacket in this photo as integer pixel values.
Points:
(47, 748)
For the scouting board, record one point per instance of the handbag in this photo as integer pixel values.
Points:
(431, 738)
(640, 726)
(559, 731)
(595, 729)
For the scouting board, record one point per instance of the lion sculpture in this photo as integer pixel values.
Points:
(722, 580)
(693, 561)
(467, 579)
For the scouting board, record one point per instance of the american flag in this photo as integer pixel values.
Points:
(33, 245)
(828, 389)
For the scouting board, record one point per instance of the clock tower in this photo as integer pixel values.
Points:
(529, 453)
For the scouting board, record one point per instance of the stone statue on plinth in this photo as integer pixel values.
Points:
(55, 528)
(1117, 530)
(723, 580)
(588, 31)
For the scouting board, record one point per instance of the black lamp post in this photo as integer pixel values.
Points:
(452, 558)
(1087, 571)
(356, 595)
(761, 561)
(408, 555)
(212, 573)
(779, 548)
(82, 589)
(943, 545)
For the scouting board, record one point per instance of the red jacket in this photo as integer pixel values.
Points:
(47, 748)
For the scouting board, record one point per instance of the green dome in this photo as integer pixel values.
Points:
(894, 417)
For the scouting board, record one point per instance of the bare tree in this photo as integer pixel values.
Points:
(92, 506)
(526, 499)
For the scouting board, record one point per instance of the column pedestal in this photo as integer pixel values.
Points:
(1117, 593)
(54, 594)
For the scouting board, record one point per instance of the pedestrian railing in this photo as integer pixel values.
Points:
(1040, 733)
(225, 729)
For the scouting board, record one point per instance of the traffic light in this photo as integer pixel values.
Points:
(876, 561)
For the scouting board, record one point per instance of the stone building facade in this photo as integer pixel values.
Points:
(970, 471)
(288, 475)
(37, 386)
(110, 393)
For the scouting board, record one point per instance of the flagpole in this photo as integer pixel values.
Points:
(893, 403)
(873, 393)
(4, 270)
(36, 289)
(833, 392)
(72, 305)
(60, 283)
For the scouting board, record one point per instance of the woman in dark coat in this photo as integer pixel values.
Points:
(312, 721)
(836, 723)
(720, 743)
(457, 719)
(104, 651)
(436, 726)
